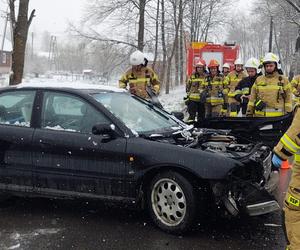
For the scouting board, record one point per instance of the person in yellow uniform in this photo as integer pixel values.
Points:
(271, 93)
(214, 90)
(231, 82)
(243, 89)
(226, 69)
(289, 145)
(140, 79)
(194, 87)
(295, 84)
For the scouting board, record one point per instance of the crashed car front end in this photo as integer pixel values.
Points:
(246, 188)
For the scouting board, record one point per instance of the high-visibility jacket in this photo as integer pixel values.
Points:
(215, 90)
(295, 85)
(231, 81)
(274, 93)
(245, 85)
(138, 80)
(194, 86)
(288, 146)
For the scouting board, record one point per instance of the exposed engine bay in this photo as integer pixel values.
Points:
(215, 141)
(246, 187)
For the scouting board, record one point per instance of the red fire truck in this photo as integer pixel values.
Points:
(226, 53)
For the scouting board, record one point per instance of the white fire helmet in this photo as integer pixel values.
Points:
(253, 63)
(271, 57)
(238, 62)
(137, 58)
(226, 65)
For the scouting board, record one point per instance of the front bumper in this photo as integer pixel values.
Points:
(262, 208)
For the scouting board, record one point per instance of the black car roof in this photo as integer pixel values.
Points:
(69, 86)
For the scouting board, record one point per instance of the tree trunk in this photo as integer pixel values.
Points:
(163, 40)
(156, 34)
(208, 22)
(141, 32)
(181, 55)
(173, 49)
(20, 33)
(176, 45)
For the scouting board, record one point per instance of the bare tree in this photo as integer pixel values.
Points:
(127, 11)
(20, 27)
(177, 20)
(204, 16)
(156, 33)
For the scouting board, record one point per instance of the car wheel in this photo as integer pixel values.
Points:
(172, 202)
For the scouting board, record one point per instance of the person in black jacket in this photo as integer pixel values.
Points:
(243, 89)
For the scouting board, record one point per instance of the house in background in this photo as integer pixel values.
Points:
(5, 56)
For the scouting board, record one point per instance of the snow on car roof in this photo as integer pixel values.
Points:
(72, 85)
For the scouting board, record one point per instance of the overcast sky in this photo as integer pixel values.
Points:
(54, 15)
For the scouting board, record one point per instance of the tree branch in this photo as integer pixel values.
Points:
(31, 17)
(12, 12)
(99, 38)
(295, 6)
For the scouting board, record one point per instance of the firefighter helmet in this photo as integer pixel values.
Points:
(238, 62)
(271, 57)
(213, 63)
(137, 58)
(226, 65)
(252, 63)
(200, 63)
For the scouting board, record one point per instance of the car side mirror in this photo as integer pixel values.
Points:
(178, 115)
(106, 130)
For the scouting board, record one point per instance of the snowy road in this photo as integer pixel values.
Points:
(36, 224)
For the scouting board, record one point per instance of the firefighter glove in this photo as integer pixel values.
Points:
(238, 97)
(276, 161)
(260, 105)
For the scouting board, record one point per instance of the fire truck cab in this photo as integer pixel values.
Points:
(226, 53)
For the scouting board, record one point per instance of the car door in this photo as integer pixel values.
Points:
(68, 158)
(16, 139)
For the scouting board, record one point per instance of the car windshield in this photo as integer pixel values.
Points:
(138, 115)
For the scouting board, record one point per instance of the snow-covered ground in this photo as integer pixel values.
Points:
(171, 102)
(174, 100)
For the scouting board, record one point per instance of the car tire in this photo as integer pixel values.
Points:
(172, 202)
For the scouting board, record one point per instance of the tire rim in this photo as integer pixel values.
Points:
(168, 202)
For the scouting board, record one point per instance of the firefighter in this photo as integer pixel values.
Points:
(194, 88)
(214, 90)
(243, 89)
(295, 84)
(231, 81)
(270, 94)
(289, 145)
(140, 77)
(226, 69)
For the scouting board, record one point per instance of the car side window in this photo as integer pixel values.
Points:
(69, 113)
(16, 108)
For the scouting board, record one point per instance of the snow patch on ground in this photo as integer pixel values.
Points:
(21, 240)
(174, 100)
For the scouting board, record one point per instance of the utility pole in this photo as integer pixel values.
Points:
(271, 35)
(52, 57)
(32, 37)
(4, 31)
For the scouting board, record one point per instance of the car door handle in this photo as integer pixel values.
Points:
(46, 143)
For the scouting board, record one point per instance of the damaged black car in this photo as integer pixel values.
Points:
(97, 142)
